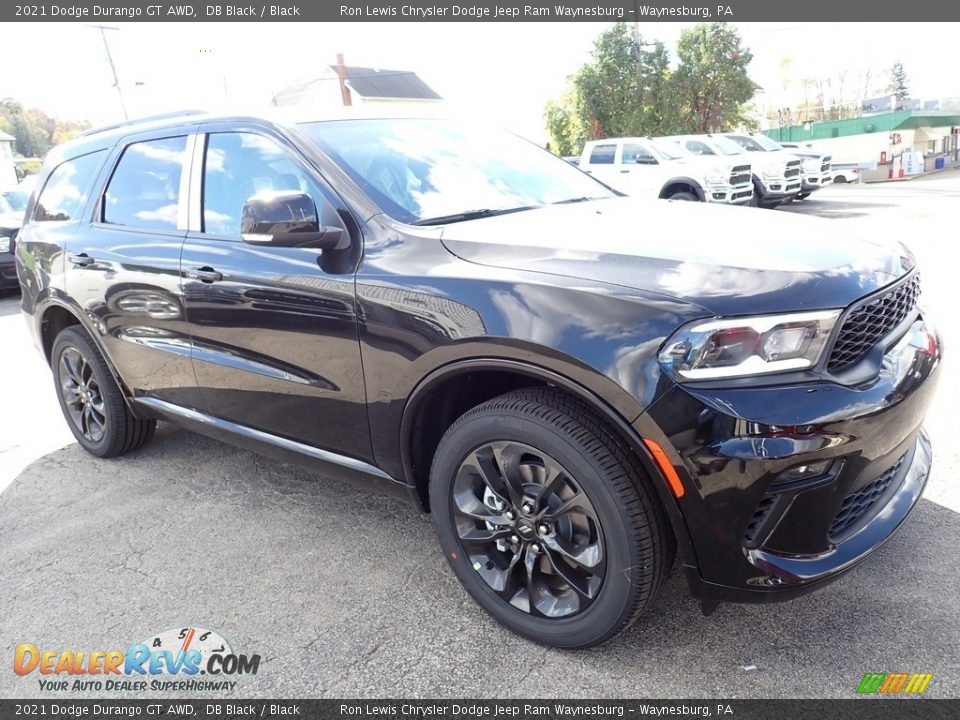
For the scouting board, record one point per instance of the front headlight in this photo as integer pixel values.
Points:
(747, 346)
(4, 243)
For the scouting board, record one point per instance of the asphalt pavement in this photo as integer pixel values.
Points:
(343, 593)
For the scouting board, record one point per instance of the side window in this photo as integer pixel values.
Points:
(603, 154)
(239, 165)
(66, 190)
(699, 148)
(145, 188)
(633, 154)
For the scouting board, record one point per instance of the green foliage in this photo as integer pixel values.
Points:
(629, 89)
(711, 83)
(899, 84)
(33, 131)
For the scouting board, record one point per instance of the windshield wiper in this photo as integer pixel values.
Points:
(472, 215)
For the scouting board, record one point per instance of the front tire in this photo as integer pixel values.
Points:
(90, 399)
(547, 520)
(684, 196)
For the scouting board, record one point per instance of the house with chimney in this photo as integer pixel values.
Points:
(346, 85)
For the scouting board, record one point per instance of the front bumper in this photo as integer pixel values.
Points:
(755, 537)
(777, 188)
(816, 181)
(729, 194)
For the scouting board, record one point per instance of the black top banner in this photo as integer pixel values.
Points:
(484, 11)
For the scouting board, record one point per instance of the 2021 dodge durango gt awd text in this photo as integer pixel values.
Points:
(578, 386)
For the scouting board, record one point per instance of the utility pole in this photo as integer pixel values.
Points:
(113, 69)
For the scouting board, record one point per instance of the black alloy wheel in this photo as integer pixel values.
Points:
(91, 400)
(528, 529)
(547, 519)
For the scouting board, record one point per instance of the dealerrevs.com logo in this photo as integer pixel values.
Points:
(185, 658)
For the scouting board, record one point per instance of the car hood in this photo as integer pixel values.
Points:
(727, 260)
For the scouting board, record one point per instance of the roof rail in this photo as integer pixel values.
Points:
(138, 121)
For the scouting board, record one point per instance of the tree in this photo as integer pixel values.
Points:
(899, 85)
(623, 90)
(33, 131)
(711, 82)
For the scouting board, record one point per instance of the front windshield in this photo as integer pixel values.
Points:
(726, 146)
(15, 200)
(756, 143)
(669, 150)
(418, 169)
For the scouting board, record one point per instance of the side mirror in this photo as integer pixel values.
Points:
(285, 219)
(646, 160)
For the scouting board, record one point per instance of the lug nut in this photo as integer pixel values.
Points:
(535, 548)
(514, 540)
(511, 515)
(528, 507)
(543, 529)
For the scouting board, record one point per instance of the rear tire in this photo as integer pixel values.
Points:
(90, 399)
(573, 490)
(803, 196)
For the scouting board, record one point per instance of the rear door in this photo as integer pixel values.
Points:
(274, 329)
(124, 268)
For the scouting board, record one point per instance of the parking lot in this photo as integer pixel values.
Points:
(345, 594)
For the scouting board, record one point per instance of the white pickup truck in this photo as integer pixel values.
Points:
(644, 167)
(776, 178)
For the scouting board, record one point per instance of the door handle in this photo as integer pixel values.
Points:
(204, 274)
(82, 260)
(624, 171)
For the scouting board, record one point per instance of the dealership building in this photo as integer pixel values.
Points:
(893, 144)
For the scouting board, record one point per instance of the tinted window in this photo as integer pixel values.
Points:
(145, 188)
(67, 188)
(241, 165)
(603, 154)
(633, 153)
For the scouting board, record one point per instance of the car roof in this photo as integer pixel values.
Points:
(104, 137)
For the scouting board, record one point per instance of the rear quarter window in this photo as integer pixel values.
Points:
(65, 193)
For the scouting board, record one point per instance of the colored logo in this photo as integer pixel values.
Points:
(184, 652)
(894, 683)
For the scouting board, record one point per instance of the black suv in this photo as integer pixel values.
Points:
(578, 385)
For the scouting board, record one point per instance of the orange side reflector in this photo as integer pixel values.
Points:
(666, 467)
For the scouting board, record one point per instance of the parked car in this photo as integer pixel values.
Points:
(815, 167)
(13, 203)
(576, 385)
(846, 173)
(776, 179)
(644, 167)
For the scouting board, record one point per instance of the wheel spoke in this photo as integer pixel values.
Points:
(587, 556)
(577, 582)
(483, 536)
(508, 457)
(483, 464)
(578, 503)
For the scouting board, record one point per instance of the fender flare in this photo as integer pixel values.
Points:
(697, 188)
(594, 401)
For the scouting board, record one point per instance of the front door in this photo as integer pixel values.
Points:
(274, 329)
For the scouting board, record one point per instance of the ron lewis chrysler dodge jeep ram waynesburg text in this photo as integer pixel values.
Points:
(577, 385)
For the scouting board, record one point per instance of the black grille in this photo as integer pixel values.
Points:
(825, 167)
(740, 175)
(858, 504)
(793, 169)
(871, 321)
(759, 516)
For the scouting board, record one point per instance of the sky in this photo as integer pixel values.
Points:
(501, 71)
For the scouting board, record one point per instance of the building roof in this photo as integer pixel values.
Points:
(368, 83)
(387, 84)
(885, 122)
(6, 138)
